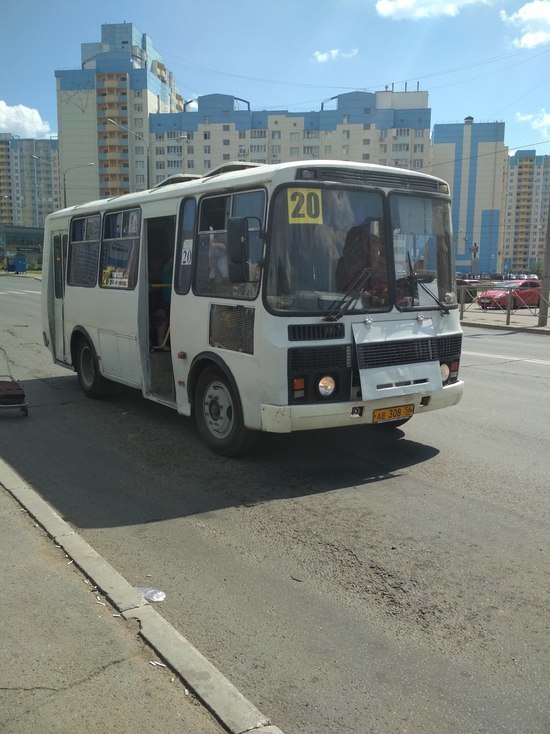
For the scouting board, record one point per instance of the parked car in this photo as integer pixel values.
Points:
(525, 293)
(469, 287)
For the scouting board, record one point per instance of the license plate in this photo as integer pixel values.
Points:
(484, 300)
(381, 415)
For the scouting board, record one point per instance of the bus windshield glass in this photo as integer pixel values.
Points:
(336, 249)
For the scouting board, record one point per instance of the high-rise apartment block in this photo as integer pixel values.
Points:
(391, 128)
(29, 180)
(527, 203)
(103, 112)
(472, 157)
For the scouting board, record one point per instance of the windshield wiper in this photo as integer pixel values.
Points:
(339, 308)
(416, 280)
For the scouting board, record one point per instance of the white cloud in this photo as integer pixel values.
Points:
(533, 22)
(22, 121)
(539, 121)
(420, 9)
(322, 56)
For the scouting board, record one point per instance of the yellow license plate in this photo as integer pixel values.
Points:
(381, 415)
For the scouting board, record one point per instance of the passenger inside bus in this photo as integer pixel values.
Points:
(363, 251)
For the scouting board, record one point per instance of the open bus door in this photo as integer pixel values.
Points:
(57, 316)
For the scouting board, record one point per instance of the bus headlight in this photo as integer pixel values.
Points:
(445, 372)
(326, 386)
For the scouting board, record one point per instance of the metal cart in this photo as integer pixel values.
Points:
(12, 395)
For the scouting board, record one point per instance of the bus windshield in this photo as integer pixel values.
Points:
(334, 246)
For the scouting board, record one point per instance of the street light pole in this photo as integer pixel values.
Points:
(145, 143)
(63, 174)
(65, 171)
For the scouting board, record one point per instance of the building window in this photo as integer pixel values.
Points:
(206, 135)
(159, 151)
(138, 121)
(206, 149)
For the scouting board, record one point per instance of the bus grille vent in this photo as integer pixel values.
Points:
(377, 178)
(385, 354)
(319, 358)
(232, 327)
(312, 332)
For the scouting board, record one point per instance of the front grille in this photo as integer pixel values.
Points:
(312, 332)
(319, 358)
(408, 351)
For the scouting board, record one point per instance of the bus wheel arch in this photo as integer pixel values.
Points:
(217, 408)
(86, 363)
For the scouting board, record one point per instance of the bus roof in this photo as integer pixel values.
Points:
(247, 173)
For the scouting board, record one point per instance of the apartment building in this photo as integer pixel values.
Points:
(30, 185)
(389, 127)
(472, 158)
(103, 111)
(527, 203)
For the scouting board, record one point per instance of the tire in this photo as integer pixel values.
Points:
(219, 415)
(93, 384)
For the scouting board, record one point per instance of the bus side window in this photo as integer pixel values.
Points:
(212, 274)
(184, 255)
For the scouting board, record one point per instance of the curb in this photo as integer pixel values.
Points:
(209, 685)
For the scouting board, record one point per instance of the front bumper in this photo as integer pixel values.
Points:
(288, 418)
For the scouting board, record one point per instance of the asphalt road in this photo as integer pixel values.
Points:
(344, 581)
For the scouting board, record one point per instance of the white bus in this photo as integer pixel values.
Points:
(303, 295)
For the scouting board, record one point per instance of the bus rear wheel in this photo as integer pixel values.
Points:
(93, 384)
(219, 415)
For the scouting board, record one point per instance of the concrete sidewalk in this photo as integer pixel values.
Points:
(83, 652)
(521, 320)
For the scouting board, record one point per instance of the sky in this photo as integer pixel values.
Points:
(489, 59)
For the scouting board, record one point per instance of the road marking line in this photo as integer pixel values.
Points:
(507, 357)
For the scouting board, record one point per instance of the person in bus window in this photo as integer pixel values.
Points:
(363, 250)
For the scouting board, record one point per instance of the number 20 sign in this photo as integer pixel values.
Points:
(304, 206)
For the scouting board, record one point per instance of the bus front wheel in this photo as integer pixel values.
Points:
(219, 415)
(93, 384)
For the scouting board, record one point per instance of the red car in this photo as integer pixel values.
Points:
(525, 293)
